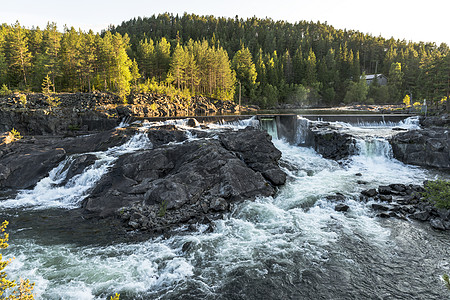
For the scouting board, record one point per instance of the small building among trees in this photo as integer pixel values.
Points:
(381, 79)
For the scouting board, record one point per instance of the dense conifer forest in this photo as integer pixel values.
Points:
(273, 62)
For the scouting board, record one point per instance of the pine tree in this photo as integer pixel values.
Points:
(87, 57)
(310, 69)
(245, 71)
(135, 75)
(17, 55)
(121, 63)
(69, 57)
(162, 59)
(145, 55)
(178, 65)
(52, 46)
(395, 82)
(191, 70)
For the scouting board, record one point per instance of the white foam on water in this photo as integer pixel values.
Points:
(48, 193)
(71, 272)
(297, 229)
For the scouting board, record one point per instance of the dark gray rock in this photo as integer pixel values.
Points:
(385, 190)
(437, 224)
(385, 198)
(341, 207)
(186, 180)
(427, 147)
(256, 150)
(369, 193)
(382, 207)
(421, 215)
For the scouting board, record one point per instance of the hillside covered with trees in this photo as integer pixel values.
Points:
(274, 62)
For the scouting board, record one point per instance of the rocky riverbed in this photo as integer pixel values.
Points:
(176, 177)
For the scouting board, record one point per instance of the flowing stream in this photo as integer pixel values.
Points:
(292, 246)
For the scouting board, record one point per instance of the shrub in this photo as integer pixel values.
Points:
(4, 91)
(13, 135)
(438, 193)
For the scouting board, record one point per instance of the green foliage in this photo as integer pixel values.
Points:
(47, 90)
(4, 91)
(12, 136)
(23, 100)
(357, 91)
(315, 55)
(395, 81)
(15, 134)
(446, 280)
(162, 208)
(245, 71)
(438, 193)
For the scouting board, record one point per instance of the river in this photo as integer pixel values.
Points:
(291, 246)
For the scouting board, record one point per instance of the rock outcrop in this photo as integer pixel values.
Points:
(32, 115)
(329, 141)
(175, 179)
(186, 182)
(23, 163)
(405, 202)
(428, 147)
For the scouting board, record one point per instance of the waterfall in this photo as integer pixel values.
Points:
(374, 147)
(56, 190)
(301, 134)
(269, 125)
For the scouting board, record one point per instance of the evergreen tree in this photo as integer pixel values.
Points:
(357, 91)
(69, 57)
(17, 55)
(162, 59)
(87, 58)
(245, 72)
(135, 75)
(121, 75)
(146, 58)
(395, 82)
(178, 65)
(52, 46)
(310, 69)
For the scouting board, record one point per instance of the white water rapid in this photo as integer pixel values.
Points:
(292, 246)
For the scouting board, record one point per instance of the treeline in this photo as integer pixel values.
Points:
(79, 61)
(307, 61)
(271, 62)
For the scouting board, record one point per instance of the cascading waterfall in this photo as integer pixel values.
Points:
(373, 147)
(292, 246)
(269, 125)
(49, 192)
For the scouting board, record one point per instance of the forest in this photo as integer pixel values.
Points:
(268, 62)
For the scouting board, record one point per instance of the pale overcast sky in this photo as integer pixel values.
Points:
(426, 21)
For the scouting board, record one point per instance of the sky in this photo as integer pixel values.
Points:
(412, 20)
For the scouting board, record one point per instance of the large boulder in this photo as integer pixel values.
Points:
(193, 174)
(425, 147)
(175, 183)
(329, 140)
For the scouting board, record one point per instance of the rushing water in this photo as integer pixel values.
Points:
(292, 246)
